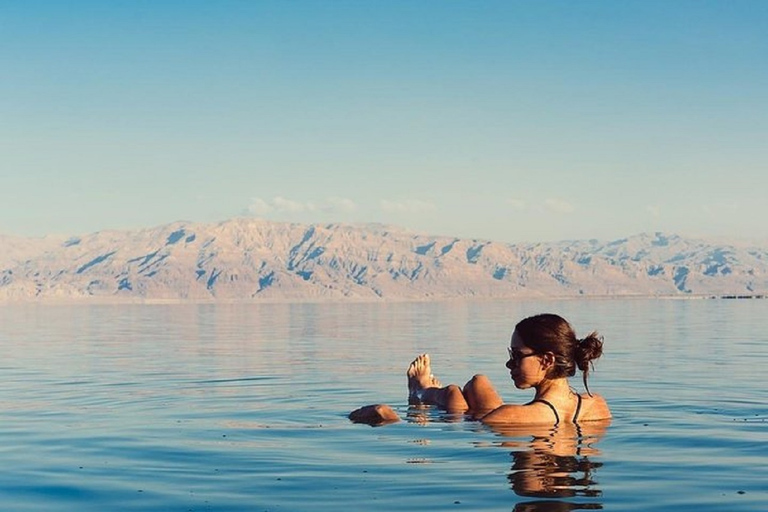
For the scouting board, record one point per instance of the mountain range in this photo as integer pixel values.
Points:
(257, 260)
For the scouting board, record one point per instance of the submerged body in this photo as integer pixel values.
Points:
(555, 402)
(543, 353)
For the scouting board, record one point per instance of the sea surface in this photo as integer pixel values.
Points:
(244, 408)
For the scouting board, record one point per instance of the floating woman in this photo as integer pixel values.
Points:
(543, 353)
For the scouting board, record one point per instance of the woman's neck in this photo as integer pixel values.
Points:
(553, 387)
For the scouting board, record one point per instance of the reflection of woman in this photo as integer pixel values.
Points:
(543, 353)
(545, 475)
(554, 464)
(554, 506)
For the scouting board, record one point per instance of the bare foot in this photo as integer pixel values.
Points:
(420, 376)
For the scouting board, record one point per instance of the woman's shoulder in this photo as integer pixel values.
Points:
(594, 407)
(533, 413)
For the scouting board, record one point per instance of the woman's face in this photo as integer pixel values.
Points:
(524, 364)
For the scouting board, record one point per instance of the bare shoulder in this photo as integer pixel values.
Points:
(528, 414)
(594, 408)
(502, 414)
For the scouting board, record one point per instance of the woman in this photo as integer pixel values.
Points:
(543, 353)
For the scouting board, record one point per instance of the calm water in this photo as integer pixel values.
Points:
(243, 407)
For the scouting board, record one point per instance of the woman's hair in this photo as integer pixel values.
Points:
(552, 333)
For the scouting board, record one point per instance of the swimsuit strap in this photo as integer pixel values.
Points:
(557, 417)
(578, 408)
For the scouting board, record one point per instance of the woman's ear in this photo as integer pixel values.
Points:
(547, 360)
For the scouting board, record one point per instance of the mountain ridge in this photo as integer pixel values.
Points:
(246, 259)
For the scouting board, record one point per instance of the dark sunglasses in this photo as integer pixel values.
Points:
(515, 356)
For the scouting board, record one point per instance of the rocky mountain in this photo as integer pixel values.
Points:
(250, 259)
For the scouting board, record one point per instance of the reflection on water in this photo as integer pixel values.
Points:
(555, 463)
(554, 506)
(552, 464)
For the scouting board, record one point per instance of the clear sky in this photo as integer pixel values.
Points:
(505, 120)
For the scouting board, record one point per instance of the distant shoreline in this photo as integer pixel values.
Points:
(252, 261)
(106, 301)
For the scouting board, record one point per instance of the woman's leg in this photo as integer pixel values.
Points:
(424, 388)
(481, 396)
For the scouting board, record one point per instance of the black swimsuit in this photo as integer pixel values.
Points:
(557, 416)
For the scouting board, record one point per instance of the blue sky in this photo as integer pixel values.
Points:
(512, 121)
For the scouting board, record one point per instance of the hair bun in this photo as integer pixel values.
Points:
(589, 349)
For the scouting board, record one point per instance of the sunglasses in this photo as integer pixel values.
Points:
(515, 356)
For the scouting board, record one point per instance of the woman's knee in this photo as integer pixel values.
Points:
(480, 394)
(478, 381)
(454, 398)
(453, 391)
